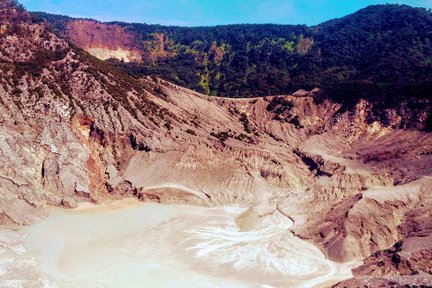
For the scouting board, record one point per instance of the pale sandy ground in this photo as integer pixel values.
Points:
(132, 244)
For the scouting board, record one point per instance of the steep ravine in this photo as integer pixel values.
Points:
(75, 130)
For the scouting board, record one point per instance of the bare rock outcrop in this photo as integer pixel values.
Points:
(104, 41)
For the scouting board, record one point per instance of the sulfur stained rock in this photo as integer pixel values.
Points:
(69, 203)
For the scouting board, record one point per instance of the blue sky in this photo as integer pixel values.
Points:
(210, 12)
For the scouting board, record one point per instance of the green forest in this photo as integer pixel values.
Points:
(382, 53)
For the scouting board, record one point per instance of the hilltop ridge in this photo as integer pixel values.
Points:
(380, 53)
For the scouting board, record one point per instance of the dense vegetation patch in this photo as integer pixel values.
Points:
(382, 53)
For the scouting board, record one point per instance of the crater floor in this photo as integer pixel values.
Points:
(131, 244)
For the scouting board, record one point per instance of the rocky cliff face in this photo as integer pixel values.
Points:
(104, 41)
(113, 41)
(75, 129)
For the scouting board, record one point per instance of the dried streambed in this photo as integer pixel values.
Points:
(131, 244)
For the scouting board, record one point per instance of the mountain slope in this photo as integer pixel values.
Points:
(76, 129)
(381, 53)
